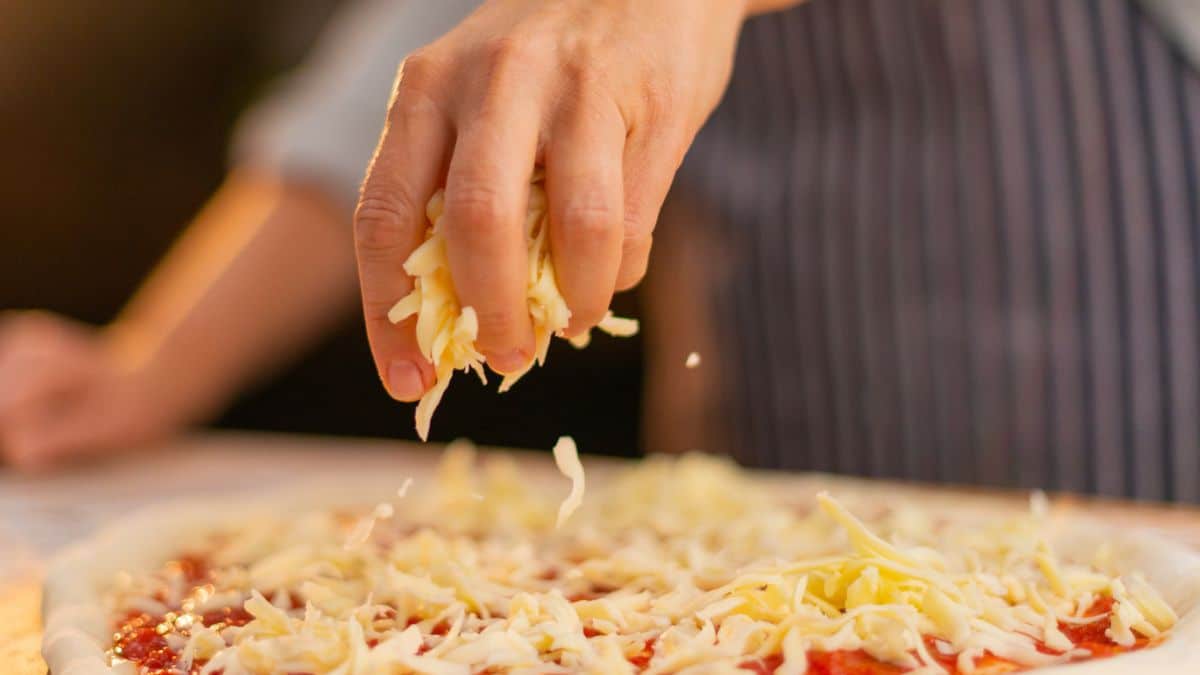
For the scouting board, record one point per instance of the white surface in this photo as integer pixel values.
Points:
(40, 514)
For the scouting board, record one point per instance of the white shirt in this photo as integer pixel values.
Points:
(322, 123)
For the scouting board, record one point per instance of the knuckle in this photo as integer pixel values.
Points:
(660, 102)
(476, 208)
(506, 62)
(417, 88)
(590, 218)
(421, 72)
(384, 220)
(375, 311)
(583, 71)
(499, 329)
(505, 51)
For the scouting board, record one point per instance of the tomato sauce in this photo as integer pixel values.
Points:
(642, 658)
(1090, 636)
(226, 616)
(138, 640)
(141, 639)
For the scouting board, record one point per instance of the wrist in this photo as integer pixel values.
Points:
(174, 388)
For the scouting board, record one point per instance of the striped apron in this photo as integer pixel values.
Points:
(960, 244)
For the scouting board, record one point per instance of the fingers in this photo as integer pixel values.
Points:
(651, 160)
(390, 222)
(67, 427)
(584, 186)
(487, 190)
(39, 356)
(31, 439)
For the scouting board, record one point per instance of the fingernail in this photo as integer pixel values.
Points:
(404, 381)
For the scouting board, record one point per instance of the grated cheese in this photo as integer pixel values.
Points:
(566, 458)
(446, 331)
(690, 555)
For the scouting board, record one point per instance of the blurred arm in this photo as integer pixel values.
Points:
(269, 265)
(263, 271)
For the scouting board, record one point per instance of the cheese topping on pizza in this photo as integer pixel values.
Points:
(446, 331)
(678, 565)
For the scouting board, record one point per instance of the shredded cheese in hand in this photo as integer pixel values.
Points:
(678, 565)
(446, 331)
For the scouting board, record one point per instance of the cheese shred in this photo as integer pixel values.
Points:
(566, 458)
(684, 565)
(446, 330)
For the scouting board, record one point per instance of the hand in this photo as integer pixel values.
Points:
(65, 392)
(606, 95)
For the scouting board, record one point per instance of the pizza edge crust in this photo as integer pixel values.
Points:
(77, 627)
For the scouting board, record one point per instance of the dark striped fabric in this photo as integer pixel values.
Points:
(965, 241)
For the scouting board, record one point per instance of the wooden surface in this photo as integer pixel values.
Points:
(39, 515)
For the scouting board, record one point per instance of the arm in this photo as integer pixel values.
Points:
(261, 272)
(265, 269)
(605, 95)
(257, 276)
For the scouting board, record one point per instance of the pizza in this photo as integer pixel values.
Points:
(684, 565)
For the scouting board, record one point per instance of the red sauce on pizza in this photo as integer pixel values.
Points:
(846, 662)
(1093, 636)
(226, 616)
(141, 639)
(642, 658)
(765, 666)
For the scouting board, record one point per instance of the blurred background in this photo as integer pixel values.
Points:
(86, 209)
(953, 241)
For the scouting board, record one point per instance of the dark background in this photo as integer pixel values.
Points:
(114, 124)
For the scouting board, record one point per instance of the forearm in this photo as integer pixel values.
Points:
(259, 275)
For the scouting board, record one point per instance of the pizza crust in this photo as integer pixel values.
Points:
(78, 627)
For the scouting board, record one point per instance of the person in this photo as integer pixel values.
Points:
(948, 241)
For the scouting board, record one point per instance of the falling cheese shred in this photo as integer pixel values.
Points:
(678, 565)
(566, 458)
(446, 331)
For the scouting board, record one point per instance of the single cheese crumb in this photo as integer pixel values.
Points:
(446, 331)
(566, 458)
(404, 487)
(365, 525)
(361, 532)
(693, 360)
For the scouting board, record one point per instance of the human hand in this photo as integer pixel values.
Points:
(65, 392)
(606, 95)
